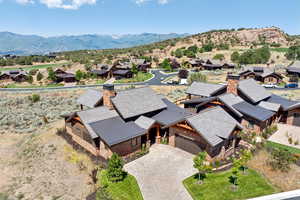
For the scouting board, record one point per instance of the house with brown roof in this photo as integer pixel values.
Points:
(14, 75)
(123, 121)
(63, 76)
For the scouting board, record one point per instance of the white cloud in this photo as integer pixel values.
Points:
(163, 1)
(25, 1)
(70, 4)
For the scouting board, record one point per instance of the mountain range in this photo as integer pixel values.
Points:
(17, 44)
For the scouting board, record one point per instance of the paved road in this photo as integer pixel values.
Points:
(156, 80)
(161, 172)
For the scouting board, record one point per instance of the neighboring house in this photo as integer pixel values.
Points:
(294, 69)
(14, 75)
(261, 74)
(122, 73)
(199, 89)
(247, 102)
(174, 63)
(141, 64)
(103, 71)
(63, 76)
(212, 65)
(195, 62)
(122, 122)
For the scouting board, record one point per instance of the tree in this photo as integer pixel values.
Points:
(178, 53)
(208, 47)
(39, 76)
(235, 56)
(79, 75)
(202, 165)
(246, 156)
(115, 168)
(51, 74)
(233, 179)
(30, 79)
(88, 67)
(293, 53)
(280, 159)
(134, 69)
(166, 65)
(197, 77)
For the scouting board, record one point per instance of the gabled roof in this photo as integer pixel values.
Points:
(171, 115)
(93, 115)
(198, 100)
(256, 112)
(253, 91)
(139, 101)
(204, 89)
(269, 106)
(121, 72)
(214, 125)
(229, 100)
(114, 130)
(90, 98)
(145, 122)
(285, 103)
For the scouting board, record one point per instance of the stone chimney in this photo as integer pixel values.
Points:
(108, 93)
(232, 83)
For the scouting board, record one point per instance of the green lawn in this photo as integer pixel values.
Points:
(140, 77)
(33, 67)
(128, 189)
(280, 49)
(281, 146)
(216, 186)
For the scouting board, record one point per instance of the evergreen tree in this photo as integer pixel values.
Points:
(115, 168)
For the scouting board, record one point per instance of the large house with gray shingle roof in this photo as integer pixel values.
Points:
(248, 102)
(261, 74)
(123, 121)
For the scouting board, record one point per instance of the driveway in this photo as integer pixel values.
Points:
(160, 173)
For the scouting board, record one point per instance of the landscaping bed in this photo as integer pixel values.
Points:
(126, 189)
(217, 186)
(139, 77)
(281, 146)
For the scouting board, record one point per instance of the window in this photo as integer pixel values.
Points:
(250, 124)
(134, 142)
(296, 115)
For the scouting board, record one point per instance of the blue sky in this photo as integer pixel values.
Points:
(73, 17)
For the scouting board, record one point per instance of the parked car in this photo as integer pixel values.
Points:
(270, 85)
(291, 85)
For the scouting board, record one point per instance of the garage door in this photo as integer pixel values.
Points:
(296, 121)
(187, 144)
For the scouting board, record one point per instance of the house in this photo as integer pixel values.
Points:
(14, 75)
(212, 65)
(122, 122)
(246, 101)
(294, 69)
(261, 74)
(63, 76)
(174, 63)
(122, 73)
(195, 62)
(141, 64)
(103, 71)
(199, 89)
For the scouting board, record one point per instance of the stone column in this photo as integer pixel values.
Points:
(172, 136)
(158, 137)
(148, 141)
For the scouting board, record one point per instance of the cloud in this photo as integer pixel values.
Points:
(25, 1)
(70, 4)
(162, 2)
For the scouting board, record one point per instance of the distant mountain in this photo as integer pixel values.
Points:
(11, 43)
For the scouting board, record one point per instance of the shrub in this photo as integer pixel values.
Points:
(197, 77)
(39, 76)
(115, 168)
(33, 72)
(235, 56)
(29, 79)
(219, 56)
(79, 75)
(293, 53)
(34, 98)
(280, 159)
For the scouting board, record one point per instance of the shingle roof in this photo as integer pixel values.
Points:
(90, 98)
(198, 100)
(93, 115)
(256, 112)
(134, 102)
(204, 89)
(229, 100)
(114, 130)
(213, 124)
(285, 103)
(253, 91)
(171, 115)
(269, 106)
(121, 72)
(145, 122)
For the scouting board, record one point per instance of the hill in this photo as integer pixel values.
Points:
(17, 44)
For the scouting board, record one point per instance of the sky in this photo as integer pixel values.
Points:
(75, 17)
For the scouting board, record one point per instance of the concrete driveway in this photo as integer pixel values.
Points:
(161, 172)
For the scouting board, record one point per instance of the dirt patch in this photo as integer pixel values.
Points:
(284, 181)
(43, 166)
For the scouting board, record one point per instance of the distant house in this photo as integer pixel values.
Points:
(195, 62)
(122, 73)
(294, 69)
(103, 71)
(142, 64)
(212, 65)
(14, 75)
(261, 74)
(63, 76)
(174, 63)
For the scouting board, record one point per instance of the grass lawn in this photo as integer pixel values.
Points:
(280, 49)
(33, 67)
(128, 189)
(140, 77)
(217, 186)
(281, 146)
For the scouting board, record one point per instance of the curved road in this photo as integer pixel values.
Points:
(155, 80)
